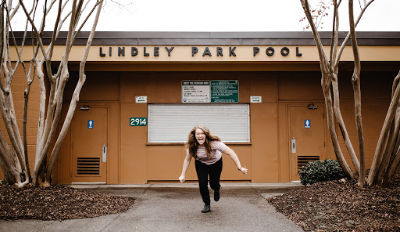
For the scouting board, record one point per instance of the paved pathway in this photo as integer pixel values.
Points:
(174, 209)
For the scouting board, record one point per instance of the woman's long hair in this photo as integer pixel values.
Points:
(192, 143)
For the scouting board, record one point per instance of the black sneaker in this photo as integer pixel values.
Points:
(216, 195)
(206, 209)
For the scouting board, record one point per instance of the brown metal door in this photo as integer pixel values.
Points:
(306, 135)
(89, 144)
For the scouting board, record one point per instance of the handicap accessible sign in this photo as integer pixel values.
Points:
(307, 123)
(90, 124)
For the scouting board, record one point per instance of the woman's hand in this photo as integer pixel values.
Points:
(182, 178)
(243, 170)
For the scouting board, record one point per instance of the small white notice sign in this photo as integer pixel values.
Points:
(255, 99)
(141, 99)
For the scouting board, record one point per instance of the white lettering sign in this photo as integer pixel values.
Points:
(141, 99)
(255, 99)
(196, 91)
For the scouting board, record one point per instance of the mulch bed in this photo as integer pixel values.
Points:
(58, 202)
(342, 206)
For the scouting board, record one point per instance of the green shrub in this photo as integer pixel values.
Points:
(318, 171)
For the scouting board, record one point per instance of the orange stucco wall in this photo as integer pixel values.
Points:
(132, 160)
(267, 154)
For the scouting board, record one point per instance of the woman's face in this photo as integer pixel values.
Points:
(200, 136)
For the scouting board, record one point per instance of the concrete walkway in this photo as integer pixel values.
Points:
(176, 207)
(268, 187)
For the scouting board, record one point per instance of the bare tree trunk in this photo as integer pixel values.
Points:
(328, 81)
(396, 148)
(9, 163)
(392, 145)
(380, 147)
(9, 118)
(389, 153)
(49, 115)
(386, 157)
(75, 97)
(42, 109)
(25, 120)
(342, 125)
(14, 153)
(357, 95)
(5, 160)
(332, 132)
(395, 166)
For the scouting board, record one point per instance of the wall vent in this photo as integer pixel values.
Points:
(303, 160)
(88, 166)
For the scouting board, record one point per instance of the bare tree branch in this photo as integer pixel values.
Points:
(54, 35)
(317, 38)
(348, 34)
(86, 19)
(15, 10)
(75, 97)
(335, 29)
(64, 19)
(38, 37)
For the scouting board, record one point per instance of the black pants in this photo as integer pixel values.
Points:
(203, 171)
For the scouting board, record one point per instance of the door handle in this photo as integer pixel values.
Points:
(104, 153)
(293, 145)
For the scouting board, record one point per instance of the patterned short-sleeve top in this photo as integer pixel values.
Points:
(217, 148)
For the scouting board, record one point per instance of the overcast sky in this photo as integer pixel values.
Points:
(230, 15)
(233, 15)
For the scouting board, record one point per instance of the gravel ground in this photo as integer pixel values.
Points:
(342, 206)
(58, 202)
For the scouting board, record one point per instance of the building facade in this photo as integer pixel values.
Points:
(260, 92)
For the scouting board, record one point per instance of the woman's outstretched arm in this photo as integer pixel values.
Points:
(185, 166)
(235, 159)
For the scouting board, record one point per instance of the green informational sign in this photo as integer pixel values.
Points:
(137, 121)
(225, 91)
